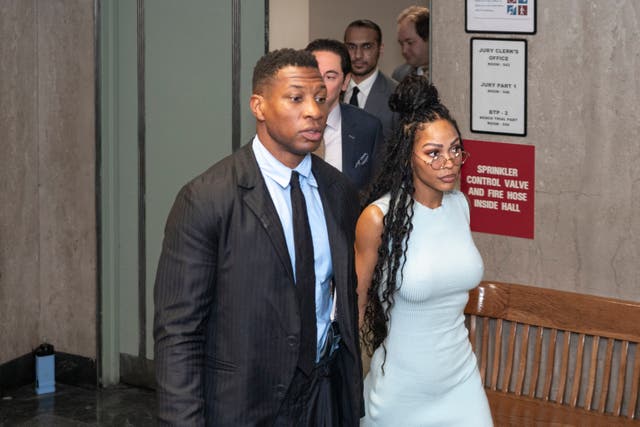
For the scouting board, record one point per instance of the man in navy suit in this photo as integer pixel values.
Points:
(233, 344)
(353, 138)
(369, 88)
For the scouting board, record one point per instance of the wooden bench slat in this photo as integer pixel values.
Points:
(606, 377)
(633, 399)
(593, 365)
(536, 362)
(484, 350)
(551, 355)
(575, 389)
(617, 407)
(564, 367)
(522, 366)
(497, 351)
(511, 346)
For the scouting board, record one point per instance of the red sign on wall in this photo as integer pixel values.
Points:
(498, 178)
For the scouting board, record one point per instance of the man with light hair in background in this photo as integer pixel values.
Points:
(413, 37)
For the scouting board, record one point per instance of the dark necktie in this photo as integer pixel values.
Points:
(305, 276)
(354, 96)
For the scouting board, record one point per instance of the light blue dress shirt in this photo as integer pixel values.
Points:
(277, 177)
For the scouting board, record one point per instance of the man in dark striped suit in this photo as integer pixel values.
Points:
(234, 343)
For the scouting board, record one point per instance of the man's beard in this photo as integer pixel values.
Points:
(363, 73)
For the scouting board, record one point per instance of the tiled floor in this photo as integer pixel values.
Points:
(73, 406)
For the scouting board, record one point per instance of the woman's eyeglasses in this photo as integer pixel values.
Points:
(457, 156)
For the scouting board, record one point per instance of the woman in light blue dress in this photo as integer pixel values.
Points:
(416, 262)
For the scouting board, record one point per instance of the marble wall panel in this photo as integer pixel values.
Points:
(66, 140)
(19, 236)
(583, 109)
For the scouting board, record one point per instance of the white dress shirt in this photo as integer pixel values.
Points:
(333, 138)
(277, 176)
(364, 86)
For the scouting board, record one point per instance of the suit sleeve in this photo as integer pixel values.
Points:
(183, 297)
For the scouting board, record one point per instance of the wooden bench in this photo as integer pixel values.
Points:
(555, 358)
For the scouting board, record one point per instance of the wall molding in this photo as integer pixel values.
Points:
(137, 371)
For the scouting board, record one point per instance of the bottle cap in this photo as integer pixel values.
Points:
(44, 349)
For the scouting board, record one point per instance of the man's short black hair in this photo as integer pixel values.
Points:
(365, 23)
(335, 46)
(268, 66)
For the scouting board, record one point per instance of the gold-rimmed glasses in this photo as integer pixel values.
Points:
(456, 154)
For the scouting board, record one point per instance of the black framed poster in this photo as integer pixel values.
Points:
(499, 86)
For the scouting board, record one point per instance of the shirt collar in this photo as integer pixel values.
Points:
(335, 117)
(276, 170)
(422, 70)
(365, 85)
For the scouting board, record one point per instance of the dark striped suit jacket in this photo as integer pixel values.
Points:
(227, 325)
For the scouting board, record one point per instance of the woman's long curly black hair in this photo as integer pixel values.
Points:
(417, 103)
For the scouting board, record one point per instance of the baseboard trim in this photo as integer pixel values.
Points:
(17, 372)
(76, 370)
(70, 369)
(137, 371)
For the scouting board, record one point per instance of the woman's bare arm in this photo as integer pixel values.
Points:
(368, 238)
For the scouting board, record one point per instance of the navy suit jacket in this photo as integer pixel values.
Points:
(227, 321)
(363, 145)
(378, 103)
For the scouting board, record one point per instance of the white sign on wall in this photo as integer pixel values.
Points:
(499, 86)
(500, 16)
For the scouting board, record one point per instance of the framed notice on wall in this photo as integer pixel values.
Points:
(499, 86)
(500, 16)
(499, 180)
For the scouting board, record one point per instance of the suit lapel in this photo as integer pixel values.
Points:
(349, 140)
(257, 198)
(378, 85)
(376, 99)
(354, 144)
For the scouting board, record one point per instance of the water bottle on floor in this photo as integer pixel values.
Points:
(45, 369)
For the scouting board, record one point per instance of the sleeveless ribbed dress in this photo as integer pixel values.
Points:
(430, 375)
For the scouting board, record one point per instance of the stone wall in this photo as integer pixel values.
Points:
(583, 108)
(47, 169)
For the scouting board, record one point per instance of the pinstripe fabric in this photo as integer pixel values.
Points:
(227, 324)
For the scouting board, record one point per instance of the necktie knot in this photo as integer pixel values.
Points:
(295, 180)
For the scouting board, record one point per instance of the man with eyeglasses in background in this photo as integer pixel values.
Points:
(369, 87)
